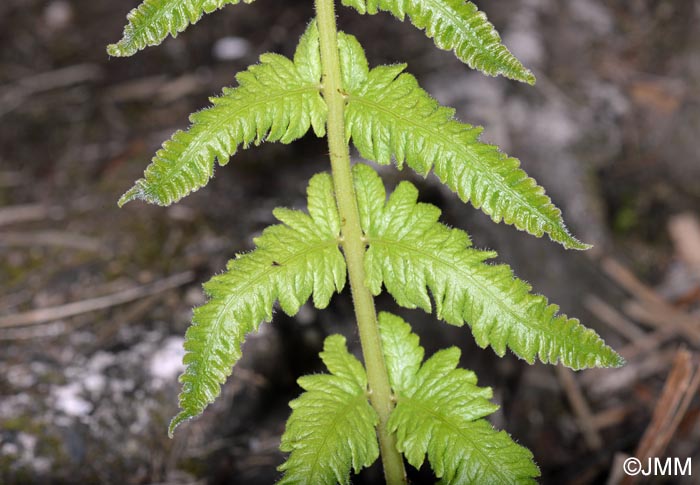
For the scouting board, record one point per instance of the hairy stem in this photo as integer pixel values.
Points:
(353, 243)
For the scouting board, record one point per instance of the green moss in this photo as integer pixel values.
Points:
(626, 219)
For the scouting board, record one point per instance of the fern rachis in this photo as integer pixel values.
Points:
(396, 405)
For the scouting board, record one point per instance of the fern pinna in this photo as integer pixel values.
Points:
(397, 405)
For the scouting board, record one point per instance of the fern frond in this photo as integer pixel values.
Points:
(389, 116)
(154, 20)
(403, 354)
(440, 410)
(458, 26)
(276, 100)
(353, 62)
(410, 252)
(292, 261)
(332, 426)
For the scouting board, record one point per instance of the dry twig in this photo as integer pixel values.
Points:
(22, 213)
(15, 95)
(62, 239)
(42, 315)
(681, 386)
(584, 416)
(602, 382)
(656, 311)
(613, 318)
(685, 233)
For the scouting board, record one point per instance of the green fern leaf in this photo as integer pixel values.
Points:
(403, 354)
(455, 25)
(354, 68)
(410, 252)
(332, 426)
(440, 410)
(276, 100)
(154, 20)
(389, 116)
(291, 262)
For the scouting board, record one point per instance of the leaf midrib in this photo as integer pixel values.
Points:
(484, 169)
(455, 268)
(201, 140)
(270, 269)
(469, 37)
(356, 399)
(460, 24)
(593, 348)
(452, 427)
(220, 321)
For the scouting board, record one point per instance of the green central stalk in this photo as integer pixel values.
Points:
(354, 244)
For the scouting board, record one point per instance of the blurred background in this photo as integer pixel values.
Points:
(94, 300)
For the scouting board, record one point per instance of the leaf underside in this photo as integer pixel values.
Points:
(154, 20)
(440, 412)
(458, 26)
(276, 100)
(388, 116)
(412, 254)
(291, 262)
(332, 426)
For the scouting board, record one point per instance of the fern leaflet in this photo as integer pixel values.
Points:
(455, 25)
(276, 100)
(331, 428)
(292, 261)
(410, 252)
(154, 20)
(440, 410)
(389, 115)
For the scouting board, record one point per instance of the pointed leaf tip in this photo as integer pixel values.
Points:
(569, 241)
(180, 418)
(529, 78)
(618, 360)
(579, 246)
(135, 192)
(458, 26)
(114, 51)
(390, 117)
